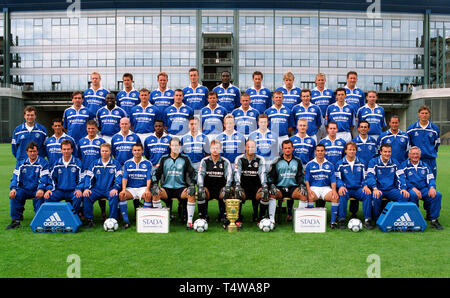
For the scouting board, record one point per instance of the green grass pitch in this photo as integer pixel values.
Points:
(249, 253)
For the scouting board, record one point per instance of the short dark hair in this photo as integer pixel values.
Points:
(287, 142)
(351, 72)
(340, 89)
(257, 73)
(137, 145)
(321, 145)
(385, 145)
(127, 75)
(67, 142)
(193, 69)
(178, 90)
(29, 109)
(92, 122)
(76, 93)
(56, 120)
(32, 145)
(331, 122)
(305, 91)
(364, 121)
(213, 93)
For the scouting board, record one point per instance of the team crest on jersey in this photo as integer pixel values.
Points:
(130, 138)
(100, 93)
(231, 91)
(220, 165)
(423, 172)
(392, 170)
(263, 92)
(37, 135)
(73, 170)
(133, 95)
(144, 166)
(326, 167)
(347, 110)
(255, 164)
(111, 171)
(116, 112)
(402, 140)
(358, 169)
(294, 92)
(430, 134)
(22, 137)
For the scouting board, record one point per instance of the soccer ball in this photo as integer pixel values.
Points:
(200, 225)
(266, 225)
(354, 225)
(110, 225)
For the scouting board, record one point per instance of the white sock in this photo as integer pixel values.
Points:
(190, 211)
(302, 204)
(272, 209)
(157, 204)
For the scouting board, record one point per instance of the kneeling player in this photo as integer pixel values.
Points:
(177, 177)
(136, 182)
(214, 181)
(351, 183)
(320, 180)
(286, 180)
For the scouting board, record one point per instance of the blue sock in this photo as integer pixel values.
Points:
(334, 211)
(123, 206)
(310, 205)
(147, 204)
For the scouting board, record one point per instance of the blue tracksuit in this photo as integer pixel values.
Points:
(109, 121)
(229, 98)
(101, 179)
(27, 179)
(21, 137)
(400, 144)
(195, 147)
(260, 99)
(353, 179)
(212, 120)
(266, 145)
(161, 99)
(143, 119)
(344, 117)
(366, 150)
(89, 151)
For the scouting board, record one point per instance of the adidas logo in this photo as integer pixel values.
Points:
(404, 220)
(54, 221)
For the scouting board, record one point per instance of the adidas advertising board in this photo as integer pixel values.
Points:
(310, 220)
(55, 218)
(152, 220)
(401, 217)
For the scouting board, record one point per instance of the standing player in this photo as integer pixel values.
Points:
(53, 143)
(212, 117)
(143, 116)
(287, 180)
(177, 178)
(233, 142)
(176, 116)
(128, 97)
(75, 117)
(94, 97)
(136, 182)
(306, 110)
(157, 144)
(266, 141)
(162, 97)
(245, 116)
(427, 136)
(29, 181)
(260, 97)
(291, 93)
(108, 118)
(280, 118)
(123, 141)
(355, 96)
(386, 179)
(351, 183)
(321, 96)
(367, 145)
(398, 139)
(228, 95)
(214, 180)
(103, 179)
(195, 95)
(303, 144)
(320, 180)
(341, 113)
(374, 114)
(195, 144)
(29, 131)
(334, 146)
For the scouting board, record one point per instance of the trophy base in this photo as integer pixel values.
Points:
(232, 228)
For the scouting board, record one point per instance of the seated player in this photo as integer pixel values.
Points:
(29, 181)
(421, 185)
(103, 179)
(286, 179)
(320, 180)
(250, 179)
(136, 182)
(214, 180)
(66, 182)
(177, 178)
(351, 183)
(386, 179)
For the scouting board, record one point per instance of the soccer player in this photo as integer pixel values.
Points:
(427, 136)
(351, 183)
(108, 118)
(320, 180)
(291, 93)
(214, 180)
(421, 185)
(143, 116)
(75, 117)
(386, 179)
(233, 142)
(212, 117)
(260, 97)
(89, 146)
(306, 110)
(228, 95)
(266, 141)
(123, 141)
(66, 181)
(303, 144)
(322, 96)
(195, 95)
(136, 182)
(355, 96)
(157, 144)
(29, 181)
(398, 139)
(366, 145)
(162, 97)
(94, 97)
(103, 179)
(53, 143)
(128, 97)
(334, 146)
(286, 180)
(195, 144)
(176, 116)
(341, 113)
(29, 131)
(374, 114)
(251, 181)
(245, 116)
(280, 118)
(177, 178)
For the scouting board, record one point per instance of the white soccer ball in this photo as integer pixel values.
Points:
(200, 225)
(266, 225)
(110, 225)
(355, 225)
